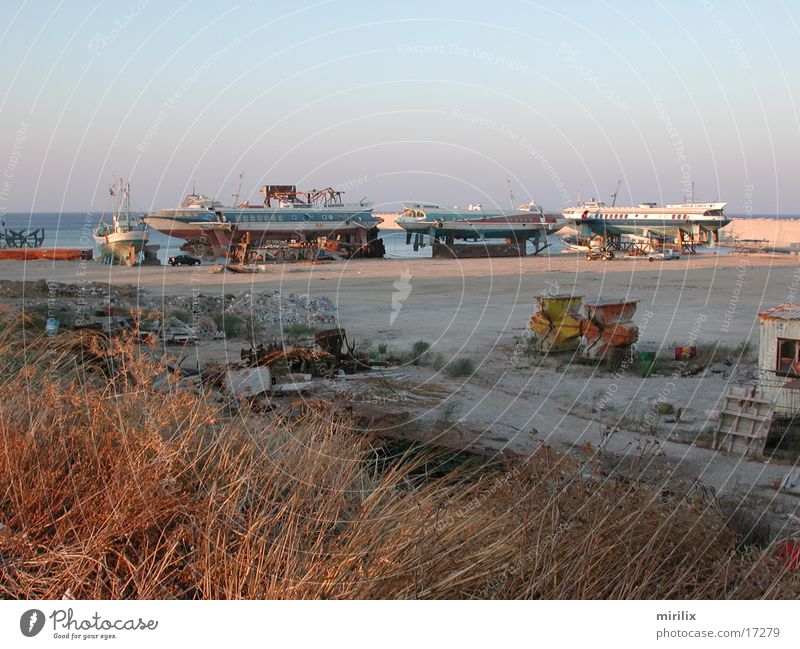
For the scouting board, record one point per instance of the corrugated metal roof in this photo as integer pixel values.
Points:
(785, 311)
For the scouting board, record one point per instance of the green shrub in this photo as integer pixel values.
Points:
(460, 367)
(418, 351)
(181, 314)
(298, 330)
(233, 325)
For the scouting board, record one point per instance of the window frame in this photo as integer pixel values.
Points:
(778, 371)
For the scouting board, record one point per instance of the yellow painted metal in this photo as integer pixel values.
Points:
(556, 322)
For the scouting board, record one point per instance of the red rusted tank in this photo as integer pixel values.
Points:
(609, 324)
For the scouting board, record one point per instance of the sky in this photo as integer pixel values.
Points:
(449, 102)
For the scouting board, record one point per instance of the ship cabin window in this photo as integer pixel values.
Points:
(788, 357)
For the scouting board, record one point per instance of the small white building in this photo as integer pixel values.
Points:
(779, 358)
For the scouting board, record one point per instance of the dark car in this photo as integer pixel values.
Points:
(183, 260)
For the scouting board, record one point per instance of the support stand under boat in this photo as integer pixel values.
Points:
(535, 238)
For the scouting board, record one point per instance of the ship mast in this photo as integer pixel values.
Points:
(121, 203)
(691, 196)
(127, 196)
(238, 190)
(614, 195)
(116, 207)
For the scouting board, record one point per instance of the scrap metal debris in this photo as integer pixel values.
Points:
(605, 325)
(556, 322)
(608, 325)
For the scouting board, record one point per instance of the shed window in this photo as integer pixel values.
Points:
(788, 357)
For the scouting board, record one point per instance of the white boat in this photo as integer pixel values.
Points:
(285, 215)
(687, 222)
(121, 241)
(527, 222)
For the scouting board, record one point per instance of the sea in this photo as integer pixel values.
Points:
(74, 230)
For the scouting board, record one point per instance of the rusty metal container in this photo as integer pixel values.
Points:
(556, 322)
(610, 311)
(609, 325)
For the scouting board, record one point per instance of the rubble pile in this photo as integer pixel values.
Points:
(86, 290)
(269, 307)
(265, 307)
(200, 305)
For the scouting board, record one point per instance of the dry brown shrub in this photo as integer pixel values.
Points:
(112, 489)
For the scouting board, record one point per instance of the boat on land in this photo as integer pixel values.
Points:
(285, 214)
(123, 240)
(527, 222)
(689, 223)
(184, 221)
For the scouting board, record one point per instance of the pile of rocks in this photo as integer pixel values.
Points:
(264, 307)
(270, 307)
(200, 305)
(87, 290)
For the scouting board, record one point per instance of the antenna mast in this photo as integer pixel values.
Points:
(238, 191)
(614, 195)
(126, 194)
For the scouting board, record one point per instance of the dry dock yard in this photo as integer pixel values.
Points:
(638, 372)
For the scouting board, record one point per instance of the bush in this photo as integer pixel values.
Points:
(180, 314)
(418, 351)
(298, 330)
(460, 367)
(233, 325)
(115, 488)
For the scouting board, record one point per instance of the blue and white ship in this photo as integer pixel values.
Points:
(527, 222)
(689, 223)
(285, 215)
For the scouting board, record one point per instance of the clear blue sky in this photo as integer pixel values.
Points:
(440, 101)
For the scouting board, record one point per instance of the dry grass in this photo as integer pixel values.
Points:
(110, 489)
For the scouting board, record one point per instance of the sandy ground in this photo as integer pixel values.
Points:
(470, 306)
(389, 220)
(776, 232)
(479, 309)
